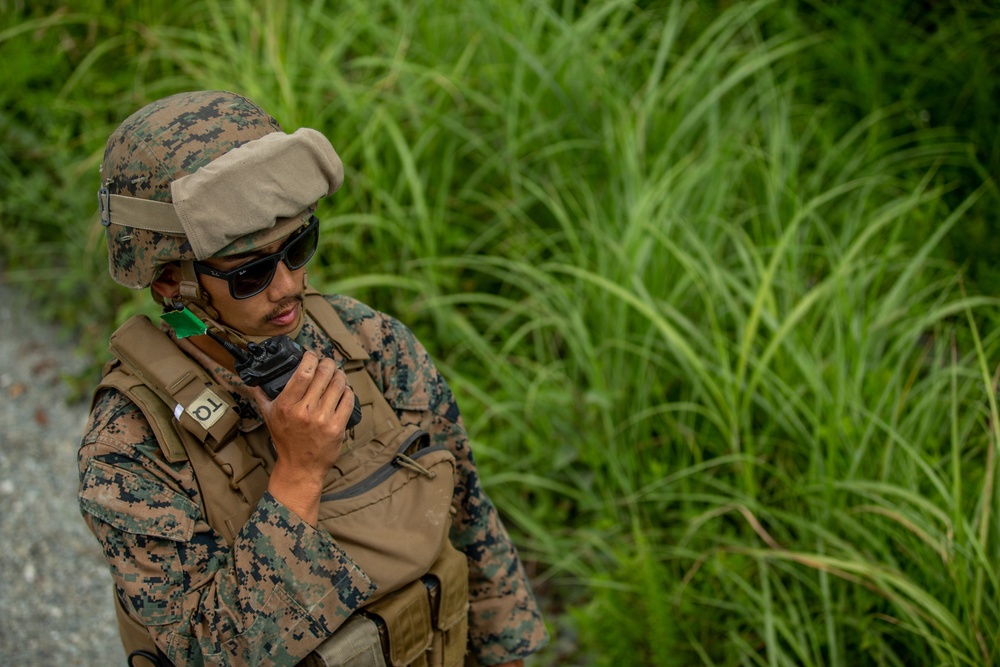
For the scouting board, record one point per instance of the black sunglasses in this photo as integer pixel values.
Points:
(252, 278)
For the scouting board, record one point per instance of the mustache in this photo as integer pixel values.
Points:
(284, 305)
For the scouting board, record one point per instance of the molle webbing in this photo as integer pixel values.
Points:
(233, 466)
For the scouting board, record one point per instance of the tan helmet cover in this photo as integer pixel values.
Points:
(206, 174)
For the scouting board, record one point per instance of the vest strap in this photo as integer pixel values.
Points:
(245, 471)
(210, 415)
(326, 317)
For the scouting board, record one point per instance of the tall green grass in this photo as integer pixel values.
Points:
(736, 411)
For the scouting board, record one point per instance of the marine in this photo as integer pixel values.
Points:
(245, 530)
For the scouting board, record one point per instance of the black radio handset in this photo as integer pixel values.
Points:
(271, 364)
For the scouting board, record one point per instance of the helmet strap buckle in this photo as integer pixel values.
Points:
(104, 206)
(189, 287)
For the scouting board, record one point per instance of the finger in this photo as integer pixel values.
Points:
(263, 402)
(299, 383)
(345, 406)
(324, 375)
(334, 390)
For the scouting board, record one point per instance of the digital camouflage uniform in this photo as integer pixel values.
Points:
(282, 586)
(206, 602)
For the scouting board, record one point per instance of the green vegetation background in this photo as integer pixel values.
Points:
(712, 280)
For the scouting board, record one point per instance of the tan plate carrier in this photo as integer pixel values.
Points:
(386, 475)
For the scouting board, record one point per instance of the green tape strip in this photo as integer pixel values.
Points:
(184, 323)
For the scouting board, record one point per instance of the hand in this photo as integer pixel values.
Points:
(307, 422)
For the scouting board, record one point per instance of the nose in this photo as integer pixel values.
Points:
(285, 282)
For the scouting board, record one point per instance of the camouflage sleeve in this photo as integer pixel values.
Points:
(504, 620)
(268, 599)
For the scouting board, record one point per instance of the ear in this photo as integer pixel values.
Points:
(167, 284)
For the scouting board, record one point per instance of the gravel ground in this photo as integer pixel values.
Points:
(55, 590)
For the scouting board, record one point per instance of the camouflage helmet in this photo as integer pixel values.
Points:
(177, 141)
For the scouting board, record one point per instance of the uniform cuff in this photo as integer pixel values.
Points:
(306, 564)
(503, 629)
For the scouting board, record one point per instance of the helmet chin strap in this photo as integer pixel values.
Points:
(197, 301)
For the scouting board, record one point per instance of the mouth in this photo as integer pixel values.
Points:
(286, 315)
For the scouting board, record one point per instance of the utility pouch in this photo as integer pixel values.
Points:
(423, 624)
(447, 585)
(388, 505)
(404, 624)
(356, 643)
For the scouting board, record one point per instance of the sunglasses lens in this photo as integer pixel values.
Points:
(253, 278)
(302, 248)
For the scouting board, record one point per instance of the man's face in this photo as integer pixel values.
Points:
(274, 311)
